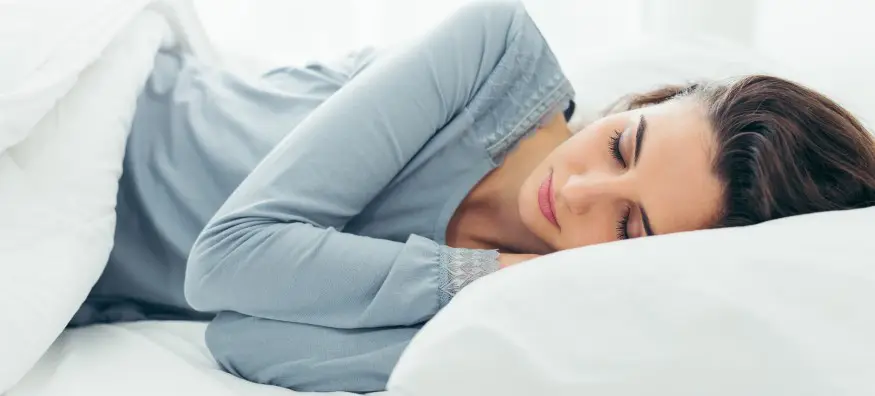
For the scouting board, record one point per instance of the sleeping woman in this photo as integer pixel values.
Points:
(319, 216)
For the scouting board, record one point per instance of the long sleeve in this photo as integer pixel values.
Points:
(276, 248)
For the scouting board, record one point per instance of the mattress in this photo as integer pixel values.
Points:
(141, 358)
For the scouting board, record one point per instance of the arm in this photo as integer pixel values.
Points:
(304, 357)
(276, 249)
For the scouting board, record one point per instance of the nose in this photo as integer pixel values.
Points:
(581, 192)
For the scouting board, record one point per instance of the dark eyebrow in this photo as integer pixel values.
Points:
(639, 139)
(639, 136)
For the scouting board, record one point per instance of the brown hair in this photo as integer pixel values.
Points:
(782, 149)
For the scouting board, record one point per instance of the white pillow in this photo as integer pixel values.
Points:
(781, 308)
(604, 74)
(57, 198)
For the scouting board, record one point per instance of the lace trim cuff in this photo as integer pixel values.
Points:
(459, 267)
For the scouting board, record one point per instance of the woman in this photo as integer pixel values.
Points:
(320, 216)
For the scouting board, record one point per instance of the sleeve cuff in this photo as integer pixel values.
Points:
(459, 267)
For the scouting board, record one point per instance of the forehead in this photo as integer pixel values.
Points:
(677, 184)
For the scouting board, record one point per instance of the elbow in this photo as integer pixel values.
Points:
(220, 266)
(203, 260)
(230, 258)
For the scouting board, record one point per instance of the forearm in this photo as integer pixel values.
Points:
(274, 250)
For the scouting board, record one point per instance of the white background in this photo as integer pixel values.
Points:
(297, 29)
(830, 40)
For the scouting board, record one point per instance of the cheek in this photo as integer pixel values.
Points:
(592, 229)
(581, 149)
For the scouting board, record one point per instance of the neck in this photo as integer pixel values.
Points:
(491, 213)
(490, 217)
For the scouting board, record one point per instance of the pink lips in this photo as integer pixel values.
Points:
(545, 200)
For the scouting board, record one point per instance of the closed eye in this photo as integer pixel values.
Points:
(623, 224)
(614, 147)
(622, 227)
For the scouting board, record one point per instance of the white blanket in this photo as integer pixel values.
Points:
(46, 44)
(68, 84)
(70, 73)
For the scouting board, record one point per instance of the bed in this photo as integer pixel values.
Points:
(142, 358)
(778, 308)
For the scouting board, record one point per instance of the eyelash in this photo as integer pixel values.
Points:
(622, 229)
(614, 148)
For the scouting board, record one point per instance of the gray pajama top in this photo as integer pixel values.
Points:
(305, 212)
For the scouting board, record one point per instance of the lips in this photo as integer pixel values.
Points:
(545, 200)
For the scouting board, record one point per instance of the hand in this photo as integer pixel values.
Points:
(507, 259)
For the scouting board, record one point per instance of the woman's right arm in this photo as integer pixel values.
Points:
(276, 249)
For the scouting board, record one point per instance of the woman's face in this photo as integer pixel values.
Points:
(638, 173)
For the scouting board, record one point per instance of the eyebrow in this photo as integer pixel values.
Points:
(639, 136)
(639, 140)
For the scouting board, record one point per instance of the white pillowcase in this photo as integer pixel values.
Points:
(57, 198)
(782, 308)
(603, 75)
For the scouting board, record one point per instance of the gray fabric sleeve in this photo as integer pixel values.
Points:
(311, 308)
(276, 248)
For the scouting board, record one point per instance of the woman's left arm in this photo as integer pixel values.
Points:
(276, 249)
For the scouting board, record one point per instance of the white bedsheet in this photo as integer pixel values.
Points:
(133, 359)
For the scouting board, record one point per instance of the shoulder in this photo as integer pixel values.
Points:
(528, 84)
